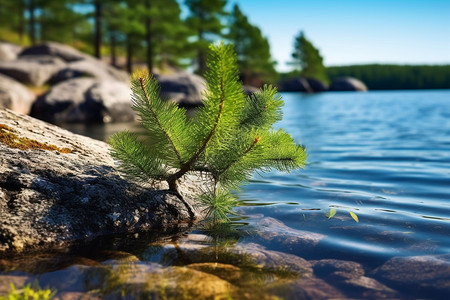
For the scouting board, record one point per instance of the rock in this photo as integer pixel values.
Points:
(333, 269)
(286, 238)
(311, 288)
(248, 89)
(62, 51)
(90, 67)
(349, 277)
(297, 84)
(347, 84)
(317, 85)
(66, 102)
(34, 70)
(301, 84)
(85, 100)
(50, 198)
(183, 88)
(114, 100)
(9, 51)
(15, 96)
(422, 276)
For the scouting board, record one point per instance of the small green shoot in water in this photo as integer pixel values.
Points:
(229, 138)
(332, 212)
(354, 216)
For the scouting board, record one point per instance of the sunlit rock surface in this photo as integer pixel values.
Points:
(56, 197)
(15, 96)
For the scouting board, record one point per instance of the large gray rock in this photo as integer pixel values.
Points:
(9, 51)
(64, 52)
(34, 70)
(15, 96)
(183, 88)
(90, 67)
(347, 84)
(66, 102)
(83, 100)
(114, 98)
(52, 198)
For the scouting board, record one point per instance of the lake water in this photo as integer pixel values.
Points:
(384, 156)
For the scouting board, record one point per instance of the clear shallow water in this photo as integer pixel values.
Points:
(383, 155)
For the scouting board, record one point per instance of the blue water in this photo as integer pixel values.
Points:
(383, 155)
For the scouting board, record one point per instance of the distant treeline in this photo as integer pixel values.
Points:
(393, 77)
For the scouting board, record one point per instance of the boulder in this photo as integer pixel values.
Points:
(15, 96)
(350, 277)
(66, 102)
(72, 191)
(83, 100)
(9, 51)
(423, 276)
(317, 85)
(114, 100)
(62, 51)
(347, 84)
(297, 84)
(183, 88)
(89, 67)
(34, 70)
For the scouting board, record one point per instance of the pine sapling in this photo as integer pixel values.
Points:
(229, 137)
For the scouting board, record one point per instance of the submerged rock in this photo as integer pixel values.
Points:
(425, 276)
(55, 197)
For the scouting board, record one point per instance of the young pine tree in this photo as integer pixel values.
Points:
(229, 137)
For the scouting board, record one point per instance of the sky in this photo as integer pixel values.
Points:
(355, 32)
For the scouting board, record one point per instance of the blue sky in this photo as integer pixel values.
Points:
(356, 32)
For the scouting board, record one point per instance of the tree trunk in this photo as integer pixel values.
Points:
(148, 37)
(129, 54)
(113, 45)
(32, 22)
(98, 29)
(201, 56)
(21, 25)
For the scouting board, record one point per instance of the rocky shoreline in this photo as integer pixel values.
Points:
(53, 198)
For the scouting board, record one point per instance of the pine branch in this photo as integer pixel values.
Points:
(136, 161)
(166, 133)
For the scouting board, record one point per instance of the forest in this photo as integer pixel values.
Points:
(396, 77)
(163, 34)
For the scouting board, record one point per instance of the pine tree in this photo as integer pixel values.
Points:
(205, 21)
(253, 50)
(229, 137)
(308, 60)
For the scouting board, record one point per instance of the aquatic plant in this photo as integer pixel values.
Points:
(29, 293)
(229, 137)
